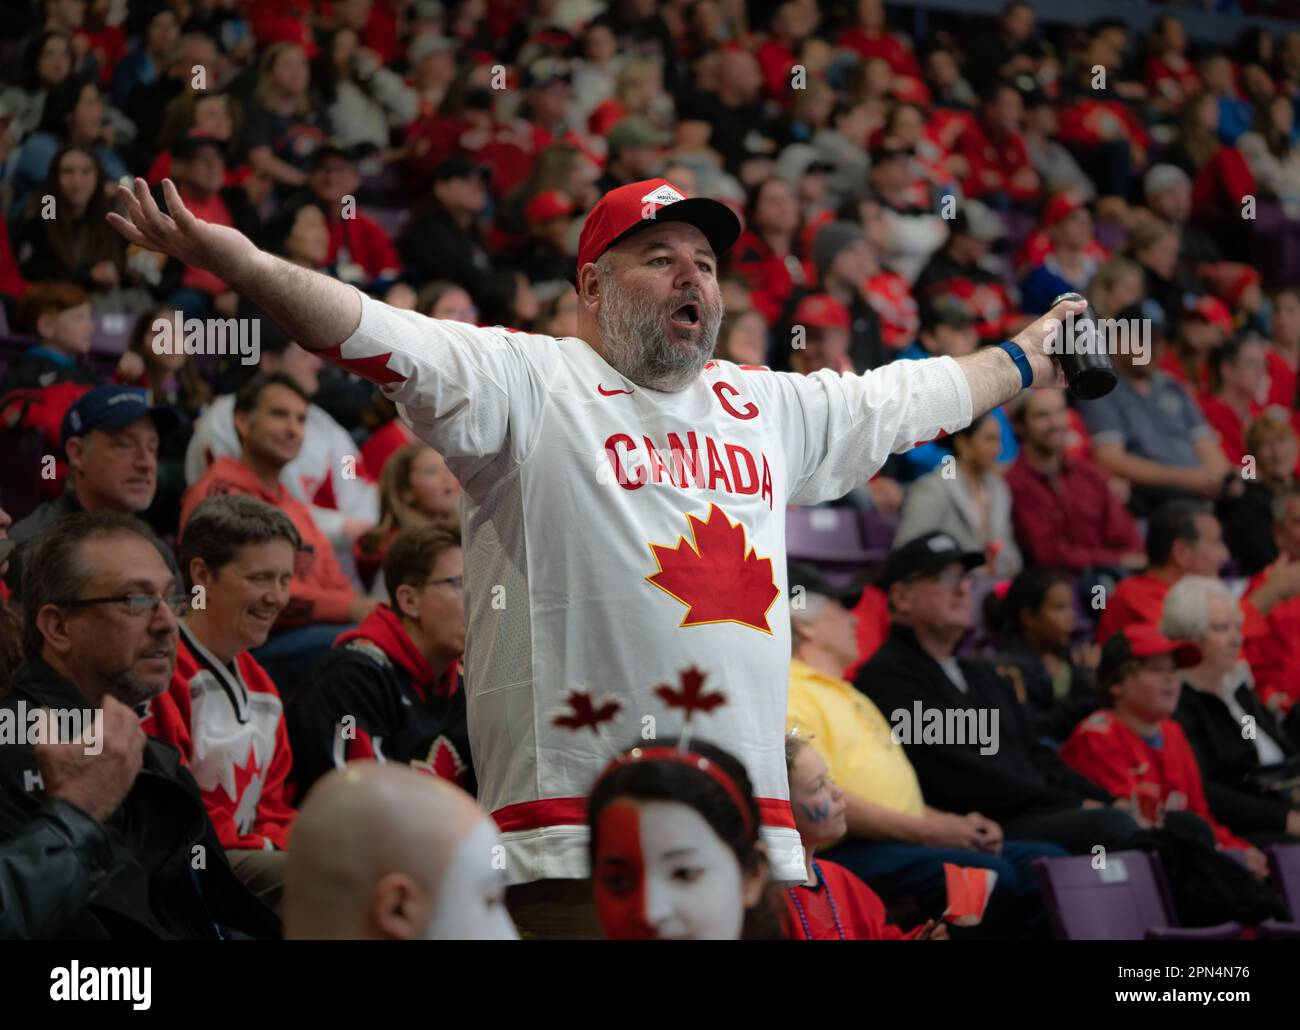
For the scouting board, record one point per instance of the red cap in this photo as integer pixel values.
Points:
(822, 311)
(1213, 311)
(624, 211)
(547, 205)
(1143, 640)
(1061, 207)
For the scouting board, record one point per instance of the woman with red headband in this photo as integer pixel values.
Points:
(674, 849)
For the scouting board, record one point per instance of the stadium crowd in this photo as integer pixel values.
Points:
(255, 550)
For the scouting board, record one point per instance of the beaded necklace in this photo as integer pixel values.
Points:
(830, 897)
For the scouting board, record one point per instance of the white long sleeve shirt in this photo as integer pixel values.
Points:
(616, 537)
(328, 466)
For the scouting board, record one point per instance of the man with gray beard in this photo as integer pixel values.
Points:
(99, 612)
(624, 504)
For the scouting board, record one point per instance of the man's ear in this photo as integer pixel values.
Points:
(200, 574)
(76, 451)
(406, 604)
(241, 424)
(52, 621)
(395, 907)
(45, 324)
(588, 285)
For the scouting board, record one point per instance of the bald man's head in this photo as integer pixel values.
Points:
(382, 851)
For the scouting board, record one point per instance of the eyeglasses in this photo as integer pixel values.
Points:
(455, 582)
(136, 604)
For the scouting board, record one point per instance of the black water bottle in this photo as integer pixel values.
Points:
(1090, 375)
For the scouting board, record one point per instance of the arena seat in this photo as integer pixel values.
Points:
(1126, 900)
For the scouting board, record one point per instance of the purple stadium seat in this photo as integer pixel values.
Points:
(110, 335)
(827, 535)
(877, 530)
(1125, 900)
(1284, 860)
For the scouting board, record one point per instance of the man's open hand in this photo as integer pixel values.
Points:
(177, 233)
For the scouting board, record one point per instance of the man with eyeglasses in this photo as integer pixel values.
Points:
(111, 439)
(100, 611)
(391, 689)
(920, 685)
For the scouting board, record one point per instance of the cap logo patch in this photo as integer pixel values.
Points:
(942, 543)
(665, 194)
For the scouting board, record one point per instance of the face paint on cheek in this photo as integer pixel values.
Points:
(620, 873)
(817, 812)
(470, 906)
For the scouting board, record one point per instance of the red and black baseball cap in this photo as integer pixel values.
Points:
(1142, 640)
(622, 212)
(822, 311)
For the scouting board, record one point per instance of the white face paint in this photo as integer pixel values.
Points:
(471, 898)
(670, 877)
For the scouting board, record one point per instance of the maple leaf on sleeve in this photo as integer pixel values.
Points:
(584, 712)
(692, 697)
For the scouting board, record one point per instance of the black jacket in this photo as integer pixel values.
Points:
(432, 246)
(158, 836)
(394, 719)
(1023, 777)
(1048, 716)
(50, 869)
(1226, 759)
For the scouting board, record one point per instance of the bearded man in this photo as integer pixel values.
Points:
(624, 502)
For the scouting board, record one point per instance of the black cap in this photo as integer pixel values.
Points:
(323, 153)
(459, 167)
(112, 407)
(928, 553)
(944, 309)
(814, 580)
(187, 146)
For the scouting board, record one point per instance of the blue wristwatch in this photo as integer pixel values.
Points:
(1022, 362)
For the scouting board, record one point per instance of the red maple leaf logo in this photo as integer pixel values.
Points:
(692, 697)
(443, 761)
(584, 712)
(373, 369)
(715, 576)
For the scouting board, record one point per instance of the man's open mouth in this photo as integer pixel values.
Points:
(687, 314)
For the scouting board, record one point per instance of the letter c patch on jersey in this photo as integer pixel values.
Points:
(750, 410)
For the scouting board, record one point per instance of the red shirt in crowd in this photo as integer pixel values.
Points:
(215, 210)
(872, 613)
(1110, 753)
(891, 297)
(1141, 598)
(1230, 427)
(999, 164)
(1069, 520)
(1274, 656)
(368, 245)
(238, 750)
(1281, 380)
(1172, 83)
(838, 894)
(1089, 122)
(1221, 183)
(771, 278)
(320, 592)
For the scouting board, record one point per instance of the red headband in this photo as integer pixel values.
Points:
(711, 769)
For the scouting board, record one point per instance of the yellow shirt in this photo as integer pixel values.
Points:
(852, 735)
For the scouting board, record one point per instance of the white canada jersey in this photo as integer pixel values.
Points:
(625, 550)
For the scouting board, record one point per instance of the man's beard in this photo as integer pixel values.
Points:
(132, 691)
(636, 336)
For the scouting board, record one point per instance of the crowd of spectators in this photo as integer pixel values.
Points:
(903, 195)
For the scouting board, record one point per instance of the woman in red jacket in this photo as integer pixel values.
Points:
(1134, 748)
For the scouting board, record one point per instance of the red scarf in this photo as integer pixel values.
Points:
(384, 629)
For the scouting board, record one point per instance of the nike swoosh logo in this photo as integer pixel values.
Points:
(611, 393)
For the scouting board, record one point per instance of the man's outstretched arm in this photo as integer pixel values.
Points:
(993, 377)
(316, 311)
